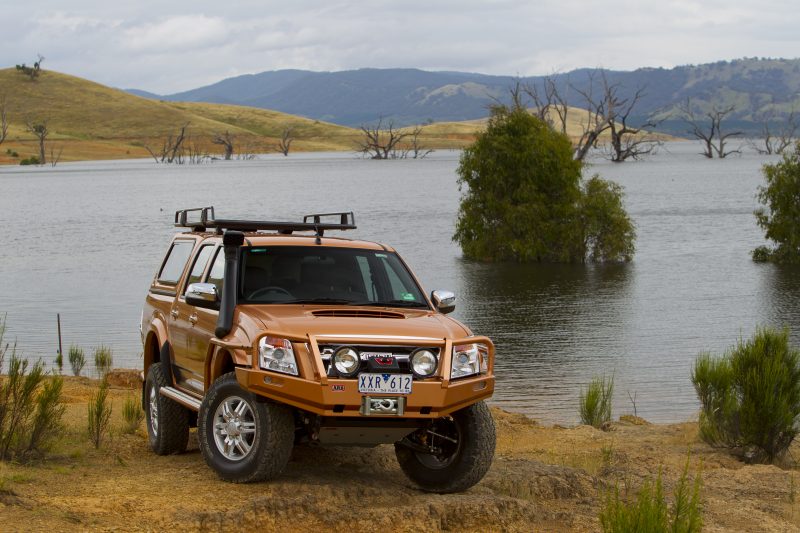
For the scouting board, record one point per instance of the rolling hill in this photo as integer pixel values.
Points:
(411, 96)
(92, 121)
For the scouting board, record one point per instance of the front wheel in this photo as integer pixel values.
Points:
(167, 420)
(242, 438)
(452, 453)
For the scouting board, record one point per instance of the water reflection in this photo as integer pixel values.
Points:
(554, 326)
(780, 295)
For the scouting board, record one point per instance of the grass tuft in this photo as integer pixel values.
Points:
(99, 409)
(103, 360)
(77, 359)
(595, 402)
(132, 414)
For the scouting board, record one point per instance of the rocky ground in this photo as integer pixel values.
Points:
(542, 479)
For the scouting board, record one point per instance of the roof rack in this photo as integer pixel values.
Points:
(314, 222)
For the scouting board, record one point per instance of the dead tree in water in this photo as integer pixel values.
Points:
(709, 133)
(40, 131)
(286, 140)
(776, 141)
(3, 120)
(627, 142)
(171, 149)
(391, 143)
(547, 101)
(226, 140)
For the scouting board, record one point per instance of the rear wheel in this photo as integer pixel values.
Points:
(451, 454)
(167, 420)
(242, 437)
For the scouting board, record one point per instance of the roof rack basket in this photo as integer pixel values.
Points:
(317, 223)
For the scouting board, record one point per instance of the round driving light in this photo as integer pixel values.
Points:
(346, 361)
(278, 353)
(423, 363)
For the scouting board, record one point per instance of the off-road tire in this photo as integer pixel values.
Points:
(274, 434)
(172, 433)
(467, 466)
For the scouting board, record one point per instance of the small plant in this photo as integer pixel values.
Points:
(650, 512)
(751, 396)
(99, 414)
(132, 414)
(32, 160)
(76, 359)
(59, 362)
(30, 405)
(103, 360)
(595, 402)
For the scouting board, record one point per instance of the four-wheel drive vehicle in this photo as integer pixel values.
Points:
(267, 334)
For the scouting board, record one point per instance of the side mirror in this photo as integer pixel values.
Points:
(444, 301)
(202, 295)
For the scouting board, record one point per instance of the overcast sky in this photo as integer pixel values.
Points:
(170, 46)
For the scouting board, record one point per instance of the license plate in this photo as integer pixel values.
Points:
(384, 383)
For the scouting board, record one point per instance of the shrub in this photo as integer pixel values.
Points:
(76, 359)
(59, 362)
(524, 200)
(780, 216)
(132, 414)
(649, 511)
(32, 160)
(751, 396)
(103, 360)
(99, 414)
(595, 402)
(30, 405)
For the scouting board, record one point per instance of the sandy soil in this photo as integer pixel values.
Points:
(542, 479)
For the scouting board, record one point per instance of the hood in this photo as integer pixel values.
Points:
(302, 320)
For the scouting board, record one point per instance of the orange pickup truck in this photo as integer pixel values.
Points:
(267, 334)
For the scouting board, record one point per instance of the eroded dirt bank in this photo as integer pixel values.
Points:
(543, 479)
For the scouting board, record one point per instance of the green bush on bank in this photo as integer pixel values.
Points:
(780, 215)
(31, 406)
(524, 200)
(751, 395)
(77, 359)
(595, 402)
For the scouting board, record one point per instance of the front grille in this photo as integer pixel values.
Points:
(400, 353)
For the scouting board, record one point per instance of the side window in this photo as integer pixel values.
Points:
(200, 263)
(176, 261)
(217, 271)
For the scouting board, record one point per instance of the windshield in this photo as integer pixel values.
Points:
(315, 274)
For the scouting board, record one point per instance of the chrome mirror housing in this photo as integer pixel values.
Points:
(444, 301)
(202, 295)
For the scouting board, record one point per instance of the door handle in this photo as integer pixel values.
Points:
(193, 318)
(174, 313)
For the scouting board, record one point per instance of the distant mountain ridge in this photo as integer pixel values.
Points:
(413, 96)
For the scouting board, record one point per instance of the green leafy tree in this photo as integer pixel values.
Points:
(780, 216)
(524, 200)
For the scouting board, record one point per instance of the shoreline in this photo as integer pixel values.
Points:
(543, 478)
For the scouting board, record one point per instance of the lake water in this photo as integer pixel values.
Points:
(84, 240)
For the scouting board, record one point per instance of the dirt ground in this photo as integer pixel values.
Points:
(542, 479)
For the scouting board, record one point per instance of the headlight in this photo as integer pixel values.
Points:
(276, 355)
(468, 360)
(423, 363)
(347, 361)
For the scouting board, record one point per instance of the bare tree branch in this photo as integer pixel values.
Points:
(172, 150)
(597, 119)
(379, 142)
(627, 142)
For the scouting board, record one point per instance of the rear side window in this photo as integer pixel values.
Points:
(176, 261)
(200, 263)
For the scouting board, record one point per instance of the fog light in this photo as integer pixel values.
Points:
(346, 361)
(423, 363)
